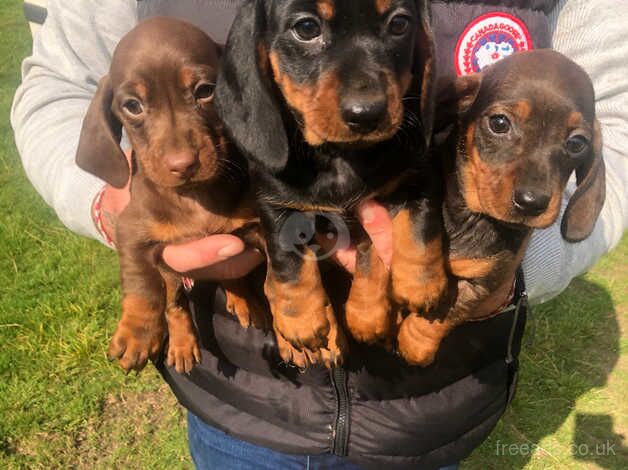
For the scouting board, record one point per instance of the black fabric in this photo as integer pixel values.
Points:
(406, 416)
(397, 416)
(545, 6)
(212, 16)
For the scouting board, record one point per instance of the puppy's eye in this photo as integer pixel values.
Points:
(307, 29)
(204, 91)
(399, 25)
(499, 124)
(133, 107)
(577, 144)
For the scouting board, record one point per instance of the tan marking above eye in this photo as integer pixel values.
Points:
(326, 9)
(575, 119)
(141, 90)
(382, 6)
(187, 77)
(522, 109)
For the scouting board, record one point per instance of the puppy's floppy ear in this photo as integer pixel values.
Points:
(586, 203)
(424, 68)
(466, 90)
(455, 99)
(99, 151)
(244, 95)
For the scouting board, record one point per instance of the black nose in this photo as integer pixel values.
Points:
(364, 115)
(530, 202)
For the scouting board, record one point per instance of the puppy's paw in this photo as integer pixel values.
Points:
(419, 339)
(368, 314)
(249, 311)
(301, 358)
(330, 354)
(309, 329)
(370, 321)
(183, 349)
(426, 294)
(333, 354)
(139, 334)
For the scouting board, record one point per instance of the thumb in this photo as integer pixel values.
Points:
(202, 253)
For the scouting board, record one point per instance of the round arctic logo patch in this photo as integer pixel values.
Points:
(488, 39)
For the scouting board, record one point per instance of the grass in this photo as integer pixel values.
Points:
(62, 405)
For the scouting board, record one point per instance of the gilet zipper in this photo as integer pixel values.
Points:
(341, 426)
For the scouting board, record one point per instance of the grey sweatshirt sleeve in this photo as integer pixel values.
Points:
(595, 35)
(71, 52)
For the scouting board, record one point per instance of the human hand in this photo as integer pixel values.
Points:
(213, 258)
(377, 223)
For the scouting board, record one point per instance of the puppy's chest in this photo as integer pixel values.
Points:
(329, 180)
(191, 220)
(482, 249)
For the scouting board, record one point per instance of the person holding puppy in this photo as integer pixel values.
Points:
(263, 414)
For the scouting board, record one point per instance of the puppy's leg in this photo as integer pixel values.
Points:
(368, 314)
(183, 348)
(419, 278)
(140, 332)
(245, 304)
(302, 312)
(419, 338)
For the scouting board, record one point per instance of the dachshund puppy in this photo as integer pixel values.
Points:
(187, 183)
(523, 127)
(331, 101)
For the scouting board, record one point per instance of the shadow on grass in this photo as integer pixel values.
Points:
(596, 441)
(571, 347)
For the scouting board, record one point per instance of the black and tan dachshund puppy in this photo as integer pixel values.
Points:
(187, 181)
(314, 93)
(523, 127)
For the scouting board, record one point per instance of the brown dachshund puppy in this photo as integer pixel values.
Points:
(523, 127)
(187, 183)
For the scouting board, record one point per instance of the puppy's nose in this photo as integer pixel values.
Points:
(363, 115)
(530, 202)
(182, 164)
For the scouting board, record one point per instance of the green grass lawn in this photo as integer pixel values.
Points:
(62, 405)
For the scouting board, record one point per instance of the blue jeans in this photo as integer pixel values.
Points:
(212, 449)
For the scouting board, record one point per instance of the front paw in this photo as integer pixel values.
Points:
(419, 339)
(139, 334)
(301, 358)
(248, 310)
(183, 349)
(309, 328)
(330, 355)
(421, 294)
(370, 320)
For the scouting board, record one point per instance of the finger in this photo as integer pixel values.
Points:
(377, 222)
(235, 267)
(199, 254)
(345, 257)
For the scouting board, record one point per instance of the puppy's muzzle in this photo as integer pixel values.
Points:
(531, 203)
(364, 113)
(182, 164)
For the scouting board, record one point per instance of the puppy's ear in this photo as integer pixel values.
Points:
(244, 95)
(99, 151)
(425, 68)
(586, 203)
(455, 99)
(466, 90)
